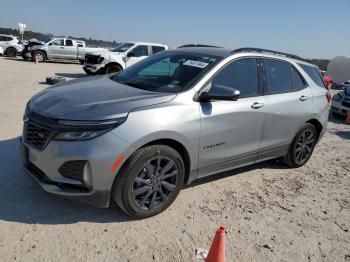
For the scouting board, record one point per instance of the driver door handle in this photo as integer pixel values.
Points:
(257, 105)
(62, 47)
(303, 98)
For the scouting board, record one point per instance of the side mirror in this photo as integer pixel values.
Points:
(220, 92)
(130, 54)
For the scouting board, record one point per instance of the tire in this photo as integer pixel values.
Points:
(110, 69)
(140, 190)
(81, 62)
(302, 146)
(54, 80)
(40, 56)
(11, 52)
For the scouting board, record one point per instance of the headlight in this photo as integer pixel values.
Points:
(337, 97)
(85, 130)
(83, 135)
(26, 111)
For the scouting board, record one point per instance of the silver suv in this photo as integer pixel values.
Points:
(138, 136)
(11, 45)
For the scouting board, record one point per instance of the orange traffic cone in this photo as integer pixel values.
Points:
(347, 120)
(217, 249)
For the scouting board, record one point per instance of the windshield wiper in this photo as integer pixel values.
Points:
(138, 85)
(132, 84)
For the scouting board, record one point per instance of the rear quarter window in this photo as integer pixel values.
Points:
(314, 74)
(156, 49)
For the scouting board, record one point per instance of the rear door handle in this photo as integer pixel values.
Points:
(303, 98)
(62, 47)
(257, 105)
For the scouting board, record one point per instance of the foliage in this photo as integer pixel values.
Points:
(40, 36)
(321, 63)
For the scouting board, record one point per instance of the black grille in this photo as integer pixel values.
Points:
(73, 169)
(92, 59)
(35, 135)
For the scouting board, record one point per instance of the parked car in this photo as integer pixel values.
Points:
(337, 86)
(57, 48)
(347, 83)
(1, 51)
(117, 59)
(340, 105)
(11, 45)
(138, 136)
(326, 79)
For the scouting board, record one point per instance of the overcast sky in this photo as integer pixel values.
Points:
(310, 28)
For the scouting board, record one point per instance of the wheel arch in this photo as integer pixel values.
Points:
(9, 48)
(317, 124)
(114, 63)
(180, 148)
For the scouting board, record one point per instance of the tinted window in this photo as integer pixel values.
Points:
(69, 43)
(298, 82)
(314, 74)
(241, 75)
(278, 77)
(141, 50)
(2, 38)
(58, 42)
(122, 47)
(156, 49)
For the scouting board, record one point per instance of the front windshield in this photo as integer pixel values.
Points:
(46, 40)
(122, 47)
(170, 71)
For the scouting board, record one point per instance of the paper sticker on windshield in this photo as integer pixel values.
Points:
(195, 63)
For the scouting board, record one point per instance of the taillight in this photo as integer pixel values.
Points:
(329, 97)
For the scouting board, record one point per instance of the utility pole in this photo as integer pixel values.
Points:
(21, 29)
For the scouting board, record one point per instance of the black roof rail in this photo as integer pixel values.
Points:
(261, 50)
(198, 45)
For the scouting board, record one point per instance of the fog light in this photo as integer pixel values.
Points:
(87, 177)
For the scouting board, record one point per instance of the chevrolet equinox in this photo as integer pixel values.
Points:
(138, 136)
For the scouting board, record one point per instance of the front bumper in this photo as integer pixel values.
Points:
(339, 108)
(100, 153)
(26, 54)
(93, 68)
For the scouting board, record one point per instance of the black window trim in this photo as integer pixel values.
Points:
(206, 86)
(306, 84)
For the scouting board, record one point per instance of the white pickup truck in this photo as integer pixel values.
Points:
(58, 48)
(117, 59)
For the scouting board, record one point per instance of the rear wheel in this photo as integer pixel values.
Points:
(110, 69)
(39, 56)
(150, 181)
(302, 146)
(11, 52)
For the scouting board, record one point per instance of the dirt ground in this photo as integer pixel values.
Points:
(270, 212)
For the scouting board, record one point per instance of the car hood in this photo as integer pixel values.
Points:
(93, 98)
(106, 53)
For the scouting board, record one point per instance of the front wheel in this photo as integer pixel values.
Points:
(39, 56)
(302, 146)
(11, 52)
(149, 182)
(110, 69)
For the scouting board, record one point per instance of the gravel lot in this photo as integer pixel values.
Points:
(270, 212)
